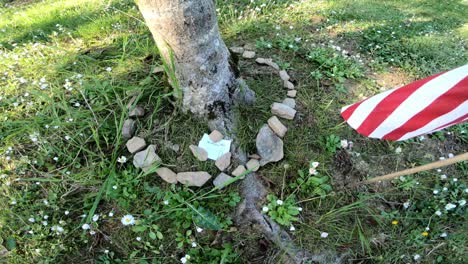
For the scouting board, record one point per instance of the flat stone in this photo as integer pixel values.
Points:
(158, 69)
(284, 75)
(145, 159)
(221, 179)
(167, 174)
(283, 111)
(253, 165)
(269, 146)
(248, 54)
(199, 153)
(288, 84)
(128, 128)
(239, 170)
(249, 46)
(255, 156)
(261, 61)
(224, 161)
(292, 93)
(135, 144)
(268, 62)
(216, 136)
(137, 112)
(290, 102)
(193, 178)
(237, 50)
(277, 127)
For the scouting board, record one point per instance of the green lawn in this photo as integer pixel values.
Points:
(69, 68)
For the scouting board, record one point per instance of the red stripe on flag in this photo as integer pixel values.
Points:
(440, 106)
(350, 110)
(388, 105)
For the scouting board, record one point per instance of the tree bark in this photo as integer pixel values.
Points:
(186, 33)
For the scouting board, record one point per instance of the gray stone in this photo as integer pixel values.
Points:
(290, 102)
(284, 75)
(224, 161)
(193, 178)
(273, 65)
(288, 84)
(260, 61)
(269, 146)
(174, 147)
(199, 153)
(135, 144)
(249, 46)
(283, 111)
(248, 54)
(145, 159)
(254, 156)
(268, 62)
(292, 93)
(253, 165)
(277, 127)
(128, 128)
(167, 174)
(221, 179)
(137, 112)
(216, 136)
(237, 50)
(239, 170)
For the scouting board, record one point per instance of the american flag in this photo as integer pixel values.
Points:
(419, 108)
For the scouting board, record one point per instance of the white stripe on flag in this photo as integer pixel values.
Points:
(420, 99)
(345, 107)
(365, 108)
(458, 112)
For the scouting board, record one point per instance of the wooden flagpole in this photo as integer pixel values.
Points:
(430, 166)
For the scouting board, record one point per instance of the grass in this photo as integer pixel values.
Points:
(69, 68)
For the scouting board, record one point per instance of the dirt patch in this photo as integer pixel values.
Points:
(395, 77)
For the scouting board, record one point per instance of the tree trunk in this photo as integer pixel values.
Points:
(186, 33)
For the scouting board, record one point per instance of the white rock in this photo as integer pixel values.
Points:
(248, 54)
(290, 102)
(145, 159)
(199, 153)
(239, 170)
(128, 128)
(137, 112)
(221, 179)
(283, 111)
(135, 144)
(288, 84)
(224, 161)
(216, 136)
(269, 146)
(292, 93)
(277, 127)
(167, 174)
(193, 178)
(284, 75)
(253, 165)
(255, 156)
(237, 50)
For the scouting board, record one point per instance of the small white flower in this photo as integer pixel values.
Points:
(427, 229)
(438, 213)
(122, 159)
(138, 238)
(313, 171)
(406, 205)
(67, 137)
(315, 164)
(37, 250)
(450, 206)
(444, 234)
(291, 27)
(445, 189)
(439, 170)
(344, 143)
(45, 202)
(114, 187)
(398, 150)
(165, 202)
(13, 202)
(56, 158)
(199, 229)
(67, 212)
(111, 214)
(32, 220)
(466, 190)
(265, 209)
(128, 220)
(435, 191)
(292, 228)
(441, 158)
(46, 217)
(45, 223)
(108, 69)
(443, 177)
(417, 257)
(106, 251)
(77, 104)
(454, 179)
(324, 235)
(450, 155)
(31, 232)
(183, 260)
(85, 226)
(194, 244)
(95, 217)
(92, 232)
(279, 202)
(299, 209)
(462, 202)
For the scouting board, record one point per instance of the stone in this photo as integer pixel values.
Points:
(135, 144)
(132, 100)
(128, 128)
(273, 65)
(290, 102)
(254, 156)
(239, 170)
(269, 146)
(292, 93)
(253, 165)
(193, 178)
(277, 127)
(288, 84)
(284, 75)
(216, 136)
(158, 69)
(167, 174)
(283, 111)
(237, 50)
(224, 161)
(248, 54)
(268, 62)
(199, 153)
(145, 159)
(249, 46)
(261, 61)
(221, 179)
(138, 111)
(174, 147)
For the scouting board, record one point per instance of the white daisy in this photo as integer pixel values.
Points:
(279, 202)
(450, 206)
(128, 220)
(324, 235)
(265, 209)
(85, 226)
